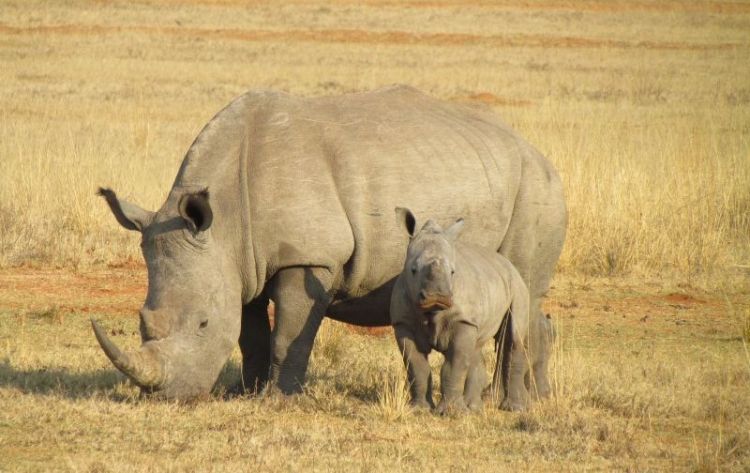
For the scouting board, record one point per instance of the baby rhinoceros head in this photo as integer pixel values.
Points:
(430, 264)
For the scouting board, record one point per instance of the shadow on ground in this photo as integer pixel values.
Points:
(78, 385)
(67, 383)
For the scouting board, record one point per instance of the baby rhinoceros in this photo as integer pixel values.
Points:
(453, 297)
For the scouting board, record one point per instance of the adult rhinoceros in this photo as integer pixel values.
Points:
(292, 199)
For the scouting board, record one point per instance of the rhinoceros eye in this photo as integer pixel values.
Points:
(414, 270)
(203, 324)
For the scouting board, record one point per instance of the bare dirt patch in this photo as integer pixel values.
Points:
(491, 99)
(118, 291)
(678, 298)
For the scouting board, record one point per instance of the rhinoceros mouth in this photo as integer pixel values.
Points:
(435, 303)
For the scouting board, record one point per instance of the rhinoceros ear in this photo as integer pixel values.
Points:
(452, 232)
(406, 219)
(196, 211)
(128, 215)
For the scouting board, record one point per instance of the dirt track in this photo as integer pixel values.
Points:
(372, 37)
(603, 308)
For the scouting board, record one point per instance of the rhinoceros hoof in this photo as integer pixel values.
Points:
(512, 406)
(241, 389)
(422, 405)
(475, 406)
(451, 408)
(273, 393)
(235, 390)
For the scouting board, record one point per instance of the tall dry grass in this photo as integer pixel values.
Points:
(646, 116)
(653, 195)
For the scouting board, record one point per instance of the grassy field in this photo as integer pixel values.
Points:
(643, 106)
(648, 377)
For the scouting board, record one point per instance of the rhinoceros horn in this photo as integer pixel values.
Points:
(143, 367)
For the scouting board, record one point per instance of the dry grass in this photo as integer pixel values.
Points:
(644, 107)
(662, 392)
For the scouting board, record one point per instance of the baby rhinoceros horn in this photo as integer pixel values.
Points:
(143, 366)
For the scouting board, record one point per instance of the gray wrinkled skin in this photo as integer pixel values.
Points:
(454, 297)
(291, 199)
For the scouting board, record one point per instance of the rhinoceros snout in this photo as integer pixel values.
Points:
(430, 302)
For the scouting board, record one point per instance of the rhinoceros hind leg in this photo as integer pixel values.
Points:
(476, 381)
(545, 339)
(533, 243)
(255, 344)
(301, 296)
(517, 396)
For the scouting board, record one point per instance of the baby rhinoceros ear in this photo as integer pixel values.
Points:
(405, 219)
(452, 232)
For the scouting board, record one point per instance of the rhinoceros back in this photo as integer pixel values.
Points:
(322, 176)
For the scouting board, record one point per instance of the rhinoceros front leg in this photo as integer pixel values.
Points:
(301, 297)
(458, 358)
(418, 369)
(255, 344)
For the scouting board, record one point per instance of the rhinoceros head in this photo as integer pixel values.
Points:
(430, 263)
(189, 322)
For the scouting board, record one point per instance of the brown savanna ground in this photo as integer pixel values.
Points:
(644, 107)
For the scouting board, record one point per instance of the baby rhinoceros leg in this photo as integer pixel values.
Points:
(476, 380)
(418, 368)
(517, 396)
(453, 374)
(516, 392)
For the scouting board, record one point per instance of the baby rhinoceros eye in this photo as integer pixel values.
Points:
(414, 270)
(203, 324)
